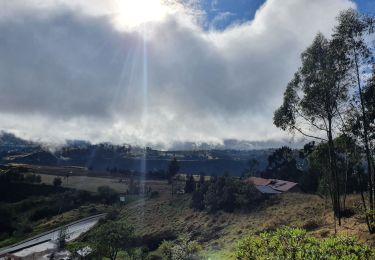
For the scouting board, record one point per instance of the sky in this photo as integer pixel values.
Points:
(154, 72)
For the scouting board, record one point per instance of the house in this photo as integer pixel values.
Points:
(271, 186)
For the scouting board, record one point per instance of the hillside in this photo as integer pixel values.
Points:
(167, 216)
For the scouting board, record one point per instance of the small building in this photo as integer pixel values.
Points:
(271, 186)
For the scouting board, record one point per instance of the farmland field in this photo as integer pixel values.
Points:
(89, 183)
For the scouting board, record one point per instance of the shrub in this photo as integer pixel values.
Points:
(294, 243)
(166, 249)
(57, 182)
(182, 249)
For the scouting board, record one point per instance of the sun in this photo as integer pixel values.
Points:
(133, 13)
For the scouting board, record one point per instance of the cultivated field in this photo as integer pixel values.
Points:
(92, 183)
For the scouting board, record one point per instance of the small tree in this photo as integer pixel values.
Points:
(252, 169)
(111, 237)
(190, 184)
(57, 182)
(197, 200)
(173, 169)
(62, 237)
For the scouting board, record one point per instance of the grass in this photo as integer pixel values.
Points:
(91, 184)
(85, 182)
(167, 216)
(219, 232)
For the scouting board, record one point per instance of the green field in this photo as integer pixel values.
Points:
(92, 183)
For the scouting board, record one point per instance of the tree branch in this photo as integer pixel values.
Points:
(307, 135)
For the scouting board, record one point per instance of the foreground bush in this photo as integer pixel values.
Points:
(290, 243)
(181, 249)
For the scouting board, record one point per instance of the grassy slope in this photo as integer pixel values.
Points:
(220, 232)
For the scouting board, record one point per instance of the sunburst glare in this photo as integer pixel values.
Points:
(134, 13)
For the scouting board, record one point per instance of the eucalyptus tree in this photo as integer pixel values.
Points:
(351, 31)
(316, 98)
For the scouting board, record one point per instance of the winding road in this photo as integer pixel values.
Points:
(46, 240)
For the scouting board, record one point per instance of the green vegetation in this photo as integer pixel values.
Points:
(296, 244)
(183, 249)
(328, 100)
(225, 193)
(111, 237)
(28, 208)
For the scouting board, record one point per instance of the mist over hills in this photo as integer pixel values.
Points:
(230, 157)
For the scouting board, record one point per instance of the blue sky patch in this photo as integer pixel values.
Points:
(223, 13)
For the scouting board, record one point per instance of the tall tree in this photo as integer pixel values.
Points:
(282, 165)
(315, 99)
(252, 167)
(351, 31)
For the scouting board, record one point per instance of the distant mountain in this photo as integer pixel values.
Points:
(234, 144)
(11, 143)
(230, 157)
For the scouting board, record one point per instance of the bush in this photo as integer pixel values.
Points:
(166, 249)
(291, 243)
(57, 182)
(182, 249)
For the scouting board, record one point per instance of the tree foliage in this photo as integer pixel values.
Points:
(318, 100)
(282, 164)
(182, 249)
(225, 193)
(111, 237)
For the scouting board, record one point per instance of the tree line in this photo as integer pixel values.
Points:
(331, 98)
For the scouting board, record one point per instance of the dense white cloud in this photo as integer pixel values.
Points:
(72, 71)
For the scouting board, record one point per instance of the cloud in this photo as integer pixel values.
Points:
(67, 71)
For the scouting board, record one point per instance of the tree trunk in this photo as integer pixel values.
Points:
(334, 175)
(370, 171)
